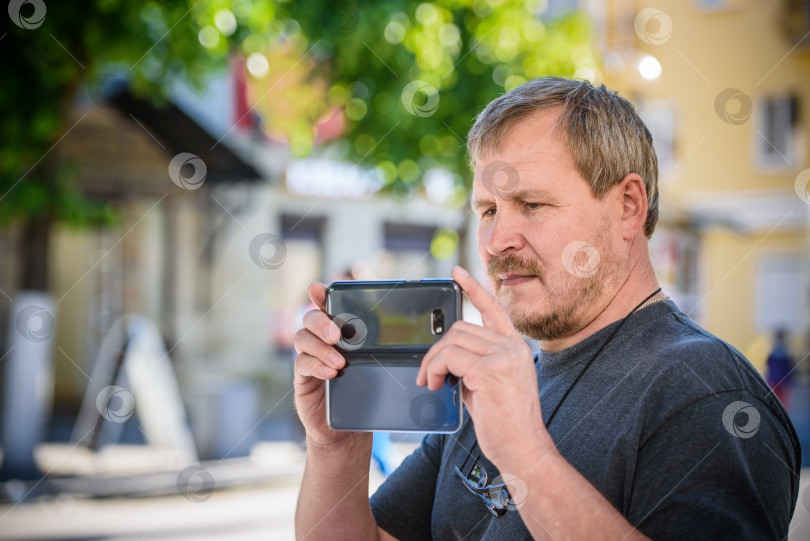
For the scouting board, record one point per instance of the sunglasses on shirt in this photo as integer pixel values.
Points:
(496, 497)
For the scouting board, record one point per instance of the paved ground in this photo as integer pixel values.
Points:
(245, 514)
(242, 513)
(259, 504)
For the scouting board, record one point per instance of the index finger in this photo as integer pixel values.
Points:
(492, 315)
(317, 294)
(329, 332)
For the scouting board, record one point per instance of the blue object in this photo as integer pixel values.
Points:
(384, 453)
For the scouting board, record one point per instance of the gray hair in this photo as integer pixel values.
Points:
(604, 134)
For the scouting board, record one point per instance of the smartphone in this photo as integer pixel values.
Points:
(386, 328)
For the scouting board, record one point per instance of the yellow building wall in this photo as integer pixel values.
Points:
(729, 267)
(707, 52)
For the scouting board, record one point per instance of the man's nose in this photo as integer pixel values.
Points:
(504, 234)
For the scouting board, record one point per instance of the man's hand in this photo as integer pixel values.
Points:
(329, 506)
(317, 361)
(499, 377)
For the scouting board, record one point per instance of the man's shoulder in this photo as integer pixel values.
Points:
(676, 348)
(684, 365)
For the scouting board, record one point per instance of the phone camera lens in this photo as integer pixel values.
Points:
(437, 321)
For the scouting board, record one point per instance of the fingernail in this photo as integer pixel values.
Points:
(335, 359)
(461, 270)
(334, 334)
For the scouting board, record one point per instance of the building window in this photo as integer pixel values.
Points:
(302, 227)
(407, 252)
(777, 138)
(779, 281)
(794, 21)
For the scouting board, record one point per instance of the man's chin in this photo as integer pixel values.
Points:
(544, 326)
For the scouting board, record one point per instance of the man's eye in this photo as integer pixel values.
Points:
(532, 206)
(488, 212)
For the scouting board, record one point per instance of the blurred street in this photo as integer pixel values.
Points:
(262, 508)
(255, 513)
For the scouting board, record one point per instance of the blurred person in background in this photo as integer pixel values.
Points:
(632, 422)
(779, 371)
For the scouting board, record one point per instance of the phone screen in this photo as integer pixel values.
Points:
(374, 315)
(387, 318)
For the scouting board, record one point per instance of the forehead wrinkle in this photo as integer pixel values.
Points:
(529, 193)
(536, 156)
(527, 169)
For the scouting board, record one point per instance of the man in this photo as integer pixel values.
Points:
(632, 422)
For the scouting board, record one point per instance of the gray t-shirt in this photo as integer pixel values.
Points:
(671, 424)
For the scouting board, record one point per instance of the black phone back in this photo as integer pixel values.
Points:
(386, 328)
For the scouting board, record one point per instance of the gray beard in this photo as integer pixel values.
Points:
(563, 320)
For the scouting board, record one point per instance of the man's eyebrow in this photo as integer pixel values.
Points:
(479, 202)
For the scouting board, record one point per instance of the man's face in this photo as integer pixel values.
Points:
(552, 251)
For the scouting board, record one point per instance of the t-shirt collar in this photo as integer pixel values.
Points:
(554, 362)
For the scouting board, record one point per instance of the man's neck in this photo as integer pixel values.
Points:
(638, 285)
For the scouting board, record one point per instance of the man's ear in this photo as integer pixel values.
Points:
(633, 198)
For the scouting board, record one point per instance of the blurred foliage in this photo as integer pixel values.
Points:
(405, 78)
(48, 62)
(409, 77)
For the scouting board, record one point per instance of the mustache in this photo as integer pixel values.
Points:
(513, 263)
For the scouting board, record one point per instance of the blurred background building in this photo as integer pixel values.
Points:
(185, 259)
(721, 84)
